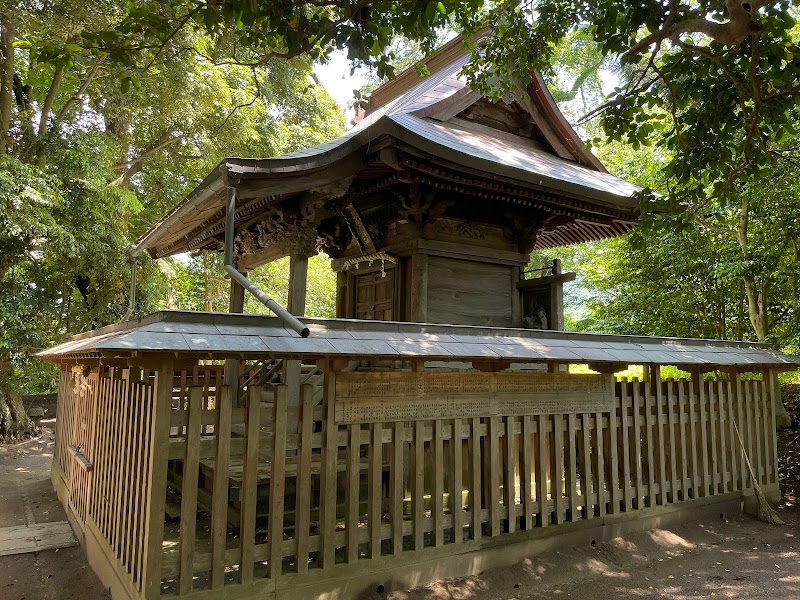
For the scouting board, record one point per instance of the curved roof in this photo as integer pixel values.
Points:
(421, 114)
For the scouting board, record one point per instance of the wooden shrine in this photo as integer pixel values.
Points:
(195, 461)
(434, 429)
(429, 206)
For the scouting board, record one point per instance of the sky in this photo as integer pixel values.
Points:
(335, 76)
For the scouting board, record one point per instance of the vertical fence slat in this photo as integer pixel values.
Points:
(614, 447)
(723, 445)
(509, 484)
(557, 467)
(277, 483)
(672, 405)
(763, 433)
(704, 424)
(758, 408)
(774, 397)
(493, 440)
(693, 433)
(418, 494)
(733, 444)
(765, 423)
(660, 437)
(626, 445)
(375, 483)
(526, 474)
(328, 480)
(303, 496)
(352, 490)
(747, 430)
(600, 464)
(249, 491)
(637, 443)
(541, 471)
(219, 501)
(156, 493)
(586, 466)
(397, 487)
(683, 421)
(475, 487)
(456, 500)
(437, 505)
(572, 467)
(140, 477)
(649, 424)
(191, 469)
(713, 422)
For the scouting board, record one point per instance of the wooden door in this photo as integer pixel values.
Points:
(374, 295)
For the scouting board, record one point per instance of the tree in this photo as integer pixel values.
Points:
(740, 53)
(97, 149)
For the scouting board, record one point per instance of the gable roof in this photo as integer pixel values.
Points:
(421, 115)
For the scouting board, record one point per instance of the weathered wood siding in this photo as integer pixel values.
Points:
(464, 292)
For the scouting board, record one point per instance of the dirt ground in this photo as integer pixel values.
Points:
(26, 497)
(736, 558)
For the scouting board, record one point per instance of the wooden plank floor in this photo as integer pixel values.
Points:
(43, 536)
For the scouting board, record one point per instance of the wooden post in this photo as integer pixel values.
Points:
(298, 281)
(232, 366)
(516, 298)
(236, 297)
(341, 295)
(419, 288)
(249, 490)
(557, 300)
(191, 467)
(298, 278)
(157, 482)
(774, 390)
(219, 501)
(660, 438)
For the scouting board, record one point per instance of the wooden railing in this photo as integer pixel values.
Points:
(292, 483)
(344, 493)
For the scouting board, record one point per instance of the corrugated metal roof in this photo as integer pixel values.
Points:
(221, 333)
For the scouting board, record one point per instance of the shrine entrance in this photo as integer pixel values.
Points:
(373, 297)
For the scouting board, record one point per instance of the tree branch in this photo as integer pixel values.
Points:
(52, 91)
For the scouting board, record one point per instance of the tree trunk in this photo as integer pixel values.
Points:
(756, 292)
(7, 35)
(14, 421)
(13, 418)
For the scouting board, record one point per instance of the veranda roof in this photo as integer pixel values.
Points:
(222, 334)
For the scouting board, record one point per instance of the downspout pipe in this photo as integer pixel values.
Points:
(291, 321)
(132, 293)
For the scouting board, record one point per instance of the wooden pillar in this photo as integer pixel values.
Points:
(419, 288)
(516, 298)
(157, 484)
(232, 365)
(341, 295)
(236, 297)
(298, 280)
(557, 300)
